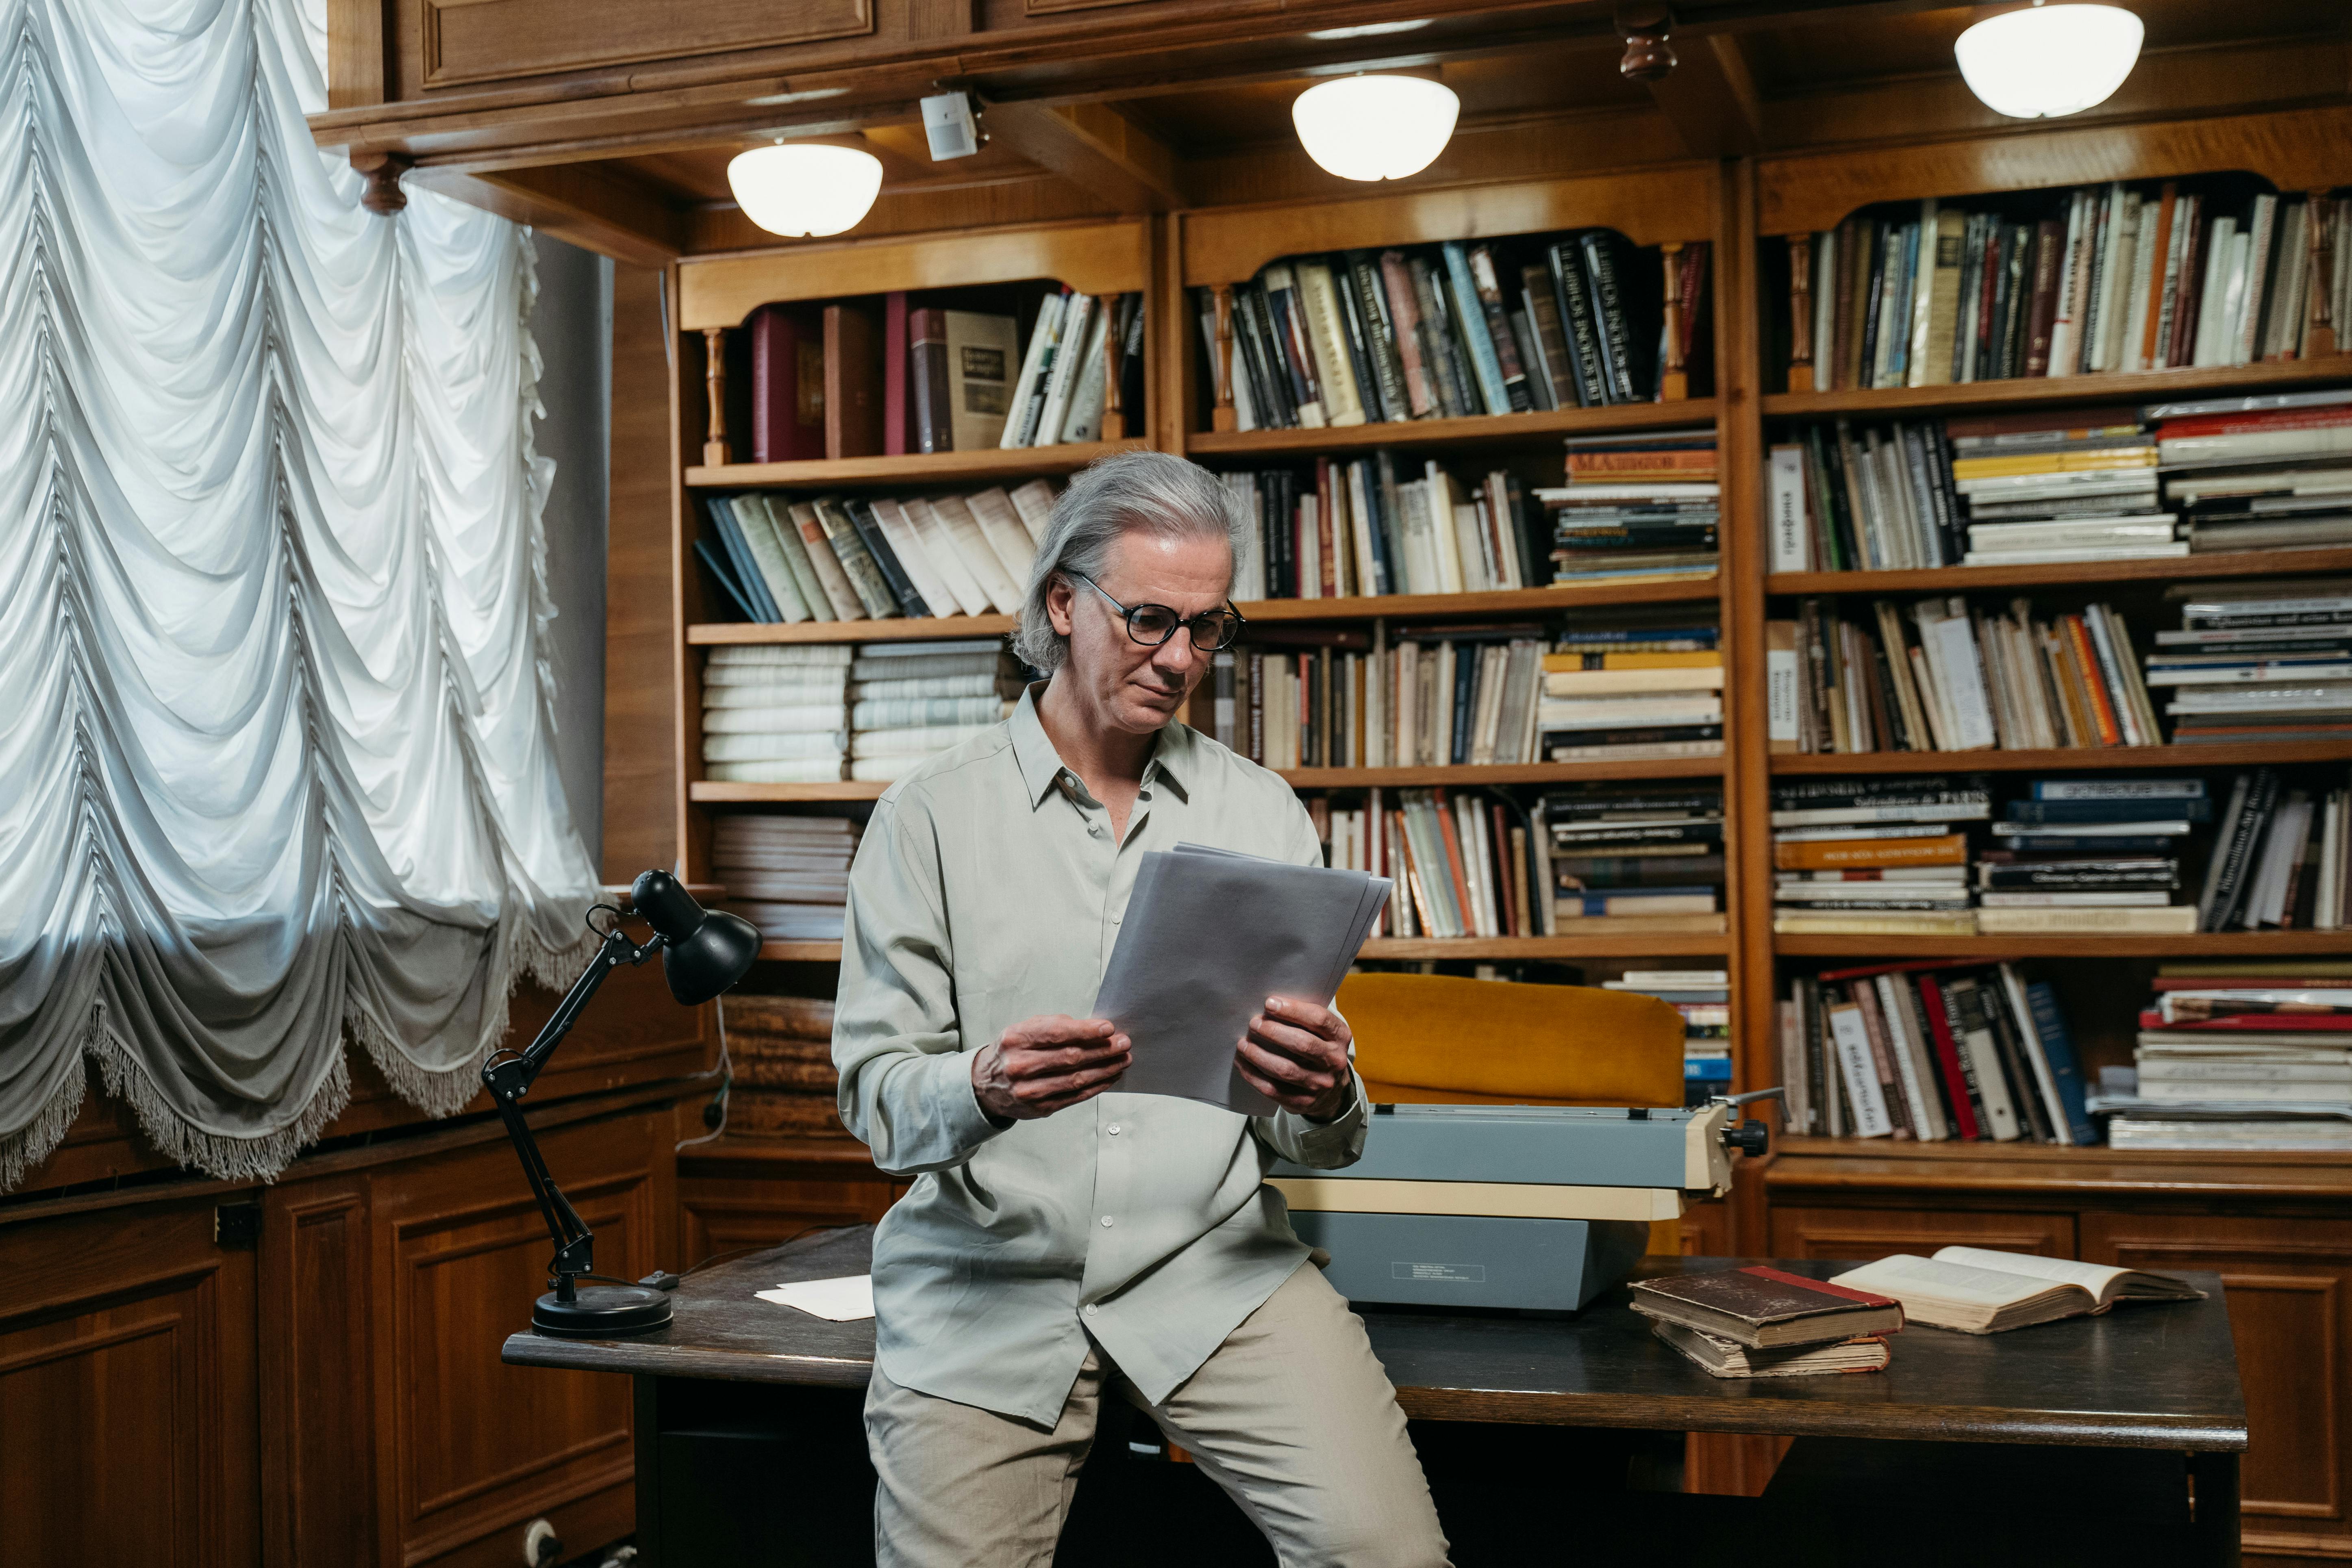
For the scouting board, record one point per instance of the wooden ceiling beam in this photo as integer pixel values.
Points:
(1093, 147)
(596, 209)
(1710, 97)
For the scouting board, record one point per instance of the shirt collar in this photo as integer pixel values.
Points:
(1041, 765)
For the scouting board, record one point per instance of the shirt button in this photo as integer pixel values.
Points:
(1091, 1309)
(1114, 1129)
(1105, 1221)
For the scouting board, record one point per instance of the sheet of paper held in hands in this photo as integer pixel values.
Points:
(1208, 936)
(843, 1299)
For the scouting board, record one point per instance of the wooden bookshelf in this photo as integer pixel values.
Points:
(899, 628)
(2057, 391)
(709, 792)
(1422, 435)
(2324, 561)
(2242, 944)
(1484, 774)
(1552, 600)
(913, 471)
(1629, 945)
(2281, 753)
(800, 951)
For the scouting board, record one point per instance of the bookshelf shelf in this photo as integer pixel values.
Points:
(2067, 760)
(1499, 602)
(1486, 430)
(2034, 392)
(1502, 774)
(991, 466)
(1839, 1163)
(1972, 579)
(709, 792)
(2245, 944)
(800, 951)
(1628, 944)
(898, 629)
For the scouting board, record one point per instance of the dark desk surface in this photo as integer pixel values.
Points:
(2153, 1376)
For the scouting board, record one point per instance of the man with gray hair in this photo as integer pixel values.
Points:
(1063, 1240)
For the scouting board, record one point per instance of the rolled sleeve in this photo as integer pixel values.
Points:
(905, 1080)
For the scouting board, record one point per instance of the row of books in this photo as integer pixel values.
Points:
(816, 713)
(1465, 862)
(1948, 676)
(779, 1053)
(789, 875)
(2236, 1056)
(1640, 859)
(1640, 506)
(2112, 277)
(1931, 1051)
(891, 373)
(852, 558)
(2261, 661)
(2164, 481)
(1702, 997)
(1449, 331)
(1371, 525)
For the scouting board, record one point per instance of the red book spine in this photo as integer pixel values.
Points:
(896, 357)
(2049, 251)
(1948, 1059)
(2188, 293)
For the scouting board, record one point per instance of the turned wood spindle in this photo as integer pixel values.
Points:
(1673, 384)
(1221, 364)
(2321, 340)
(1114, 416)
(714, 380)
(1801, 313)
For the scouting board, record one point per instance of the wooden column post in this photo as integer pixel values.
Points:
(2321, 338)
(1114, 415)
(714, 380)
(1674, 380)
(1801, 313)
(1221, 367)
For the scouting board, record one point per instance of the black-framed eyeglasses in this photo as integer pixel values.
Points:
(1152, 624)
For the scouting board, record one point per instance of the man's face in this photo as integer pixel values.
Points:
(1122, 684)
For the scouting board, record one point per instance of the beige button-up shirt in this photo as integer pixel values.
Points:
(989, 889)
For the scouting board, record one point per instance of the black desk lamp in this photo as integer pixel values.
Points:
(703, 954)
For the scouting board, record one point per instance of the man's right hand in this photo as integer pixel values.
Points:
(1047, 1063)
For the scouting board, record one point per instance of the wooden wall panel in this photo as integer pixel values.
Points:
(318, 1427)
(641, 640)
(127, 1390)
(724, 1215)
(1863, 1233)
(484, 40)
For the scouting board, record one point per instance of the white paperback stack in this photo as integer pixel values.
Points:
(775, 714)
(2242, 1061)
(909, 701)
(789, 875)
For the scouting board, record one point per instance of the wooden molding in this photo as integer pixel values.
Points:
(497, 41)
(1711, 99)
(1093, 146)
(621, 218)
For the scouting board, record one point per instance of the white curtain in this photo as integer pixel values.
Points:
(274, 760)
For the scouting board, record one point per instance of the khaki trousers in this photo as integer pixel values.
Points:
(1293, 1416)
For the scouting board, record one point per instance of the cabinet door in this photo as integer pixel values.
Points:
(2290, 1297)
(127, 1426)
(1863, 1234)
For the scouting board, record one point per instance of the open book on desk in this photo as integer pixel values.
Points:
(1209, 935)
(1979, 1291)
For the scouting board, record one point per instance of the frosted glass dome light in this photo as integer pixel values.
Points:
(2049, 60)
(806, 188)
(1375, 127)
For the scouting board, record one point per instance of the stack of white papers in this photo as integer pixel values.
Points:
(843, 1300)
(1208, 936)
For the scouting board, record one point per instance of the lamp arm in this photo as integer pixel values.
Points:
(509, 1075)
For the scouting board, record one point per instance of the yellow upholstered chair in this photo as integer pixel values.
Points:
(1442, 1039)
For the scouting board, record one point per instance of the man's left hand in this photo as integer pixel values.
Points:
(1296, 1054)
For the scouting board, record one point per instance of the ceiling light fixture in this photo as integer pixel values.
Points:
(2049, 60)
(1375, 127)
(806, 188)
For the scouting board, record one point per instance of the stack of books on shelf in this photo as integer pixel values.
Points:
(2237, 1056)
(789, 875)
(1636, 507)
(1433, 697)
(1874, 856)
(775, 714)
(909, 701)
(1379, 525)
(1762, 1322)
(1945, 675)
(1636, 859)
(1450, 331)
(2103, 277)
(2091, 855)
(2272, 472)
(848, 558)
(1631, 690)
(1931, 1051)
(1702, 997)
(779, 1049)
(2257, 661)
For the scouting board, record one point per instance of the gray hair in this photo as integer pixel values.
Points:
(1152, 492)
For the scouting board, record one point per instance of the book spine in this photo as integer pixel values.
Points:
(1386, 346)
(1573, 290)
(1958, 1079)
(1508, 366)
(1616, 328)
(1469, 322)
(886, 560)
(1404, 320)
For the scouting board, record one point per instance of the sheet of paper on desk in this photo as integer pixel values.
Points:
(1208, 936)
(844, 1300)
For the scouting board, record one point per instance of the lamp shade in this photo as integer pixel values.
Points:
(704, 950)
(806, 188)
(1375, 127)
(2049, 60)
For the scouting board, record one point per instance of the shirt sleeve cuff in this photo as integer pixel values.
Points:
(958, 1101)
(1343, 1133)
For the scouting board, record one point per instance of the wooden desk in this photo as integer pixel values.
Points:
(2039, 1432)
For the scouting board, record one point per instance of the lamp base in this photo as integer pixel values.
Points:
(603, 1312)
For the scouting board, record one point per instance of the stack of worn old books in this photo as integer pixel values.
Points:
(1761, 1322)
(1874, 856)
(780, 1048)
(789, 875)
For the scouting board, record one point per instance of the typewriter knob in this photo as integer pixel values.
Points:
(1749, 1138)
